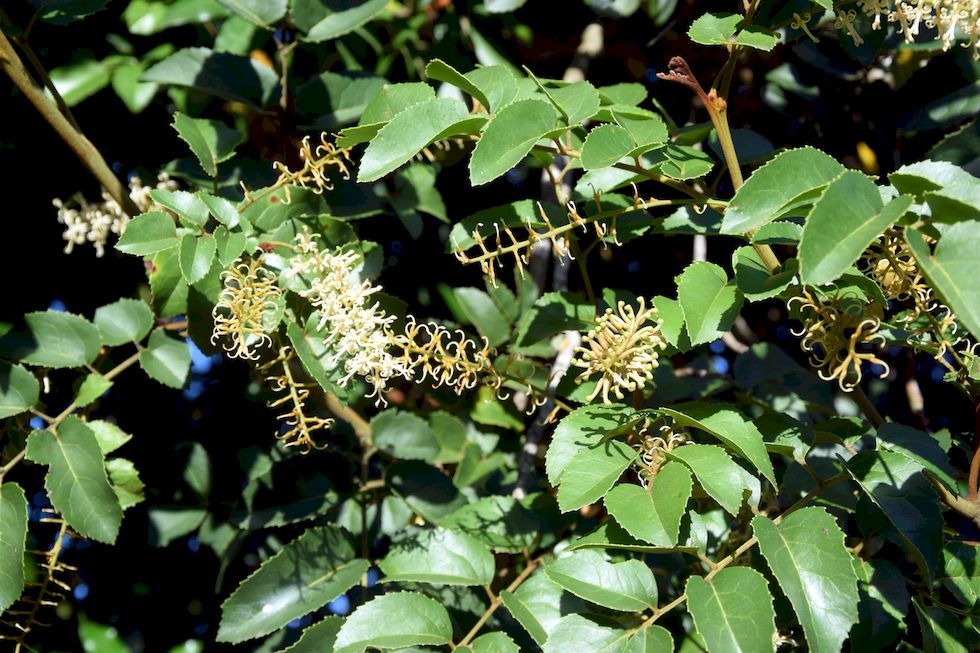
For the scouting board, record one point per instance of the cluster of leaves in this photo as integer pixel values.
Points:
(721, 512)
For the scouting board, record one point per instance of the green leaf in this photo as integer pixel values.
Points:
(536, 605)
(148, 233)
(63, 12)
(500, 522)
(480, 310)
(627, 94)
(145, 17)
(583, 427)
(714, 29)
(304, 575)
(884, 604)
(952, 193)
(319, 637)
(13, 535)
(650, 639)
(491, 643)
(718, 474)
(502, 7)
(57, 339)
(19, 390)
(227, 76)
(168, 289)
(490, 410)
(125, 482)
(127, 320)
(229, 245)
(93, 387)
(395, 621)
(439, 70)
(578, 101)
(647, 132)
(778, 186)
(195, 256)
(99, 637)
(222, 210)
(336, 99)
(497, 83)
(961, 572)
(681, 162)
(327, 19)
(258, 12)
(392, 99)
(474, 466)
(109, 436)
(404, 435)
(406, 135)
(614, 8)
(719, 29)
(709, 300)
(605, 145)
(428, 491)
(952, 267)
(320, 361)
(733, 610)
(439, 557)
(848, 216)
(509, 137)
(80, 79)
(627, 586)
(806, 554)
(188, 207)
(896, 485)
(576, 634)
(753, 279)
(919, 446)
(210, 141)
(76, 481)
(726, 423)
(591, 472)
(551, 314)
(941, 630)
(166, 359)
(653, 514)
(672, 322)
(780, 232)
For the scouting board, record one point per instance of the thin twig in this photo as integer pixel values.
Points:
(54, 422)
(362, 429)
(42, 74)
(969, 509)
(531, 566)
(11, 64)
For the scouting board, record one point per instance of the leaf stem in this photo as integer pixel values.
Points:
(971, 483)
(969, 509)
(42, 74)
(745, 546)
(53, 422)
(531, 566)
(362, 429)
(11, 64)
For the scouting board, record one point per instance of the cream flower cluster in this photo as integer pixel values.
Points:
(624, 348)
(357, 328)
(85, 222)
(947, 17)
(361, 331)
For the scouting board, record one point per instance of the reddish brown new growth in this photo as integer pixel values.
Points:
(681, 73)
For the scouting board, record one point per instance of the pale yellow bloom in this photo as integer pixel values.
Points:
(624, 348)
